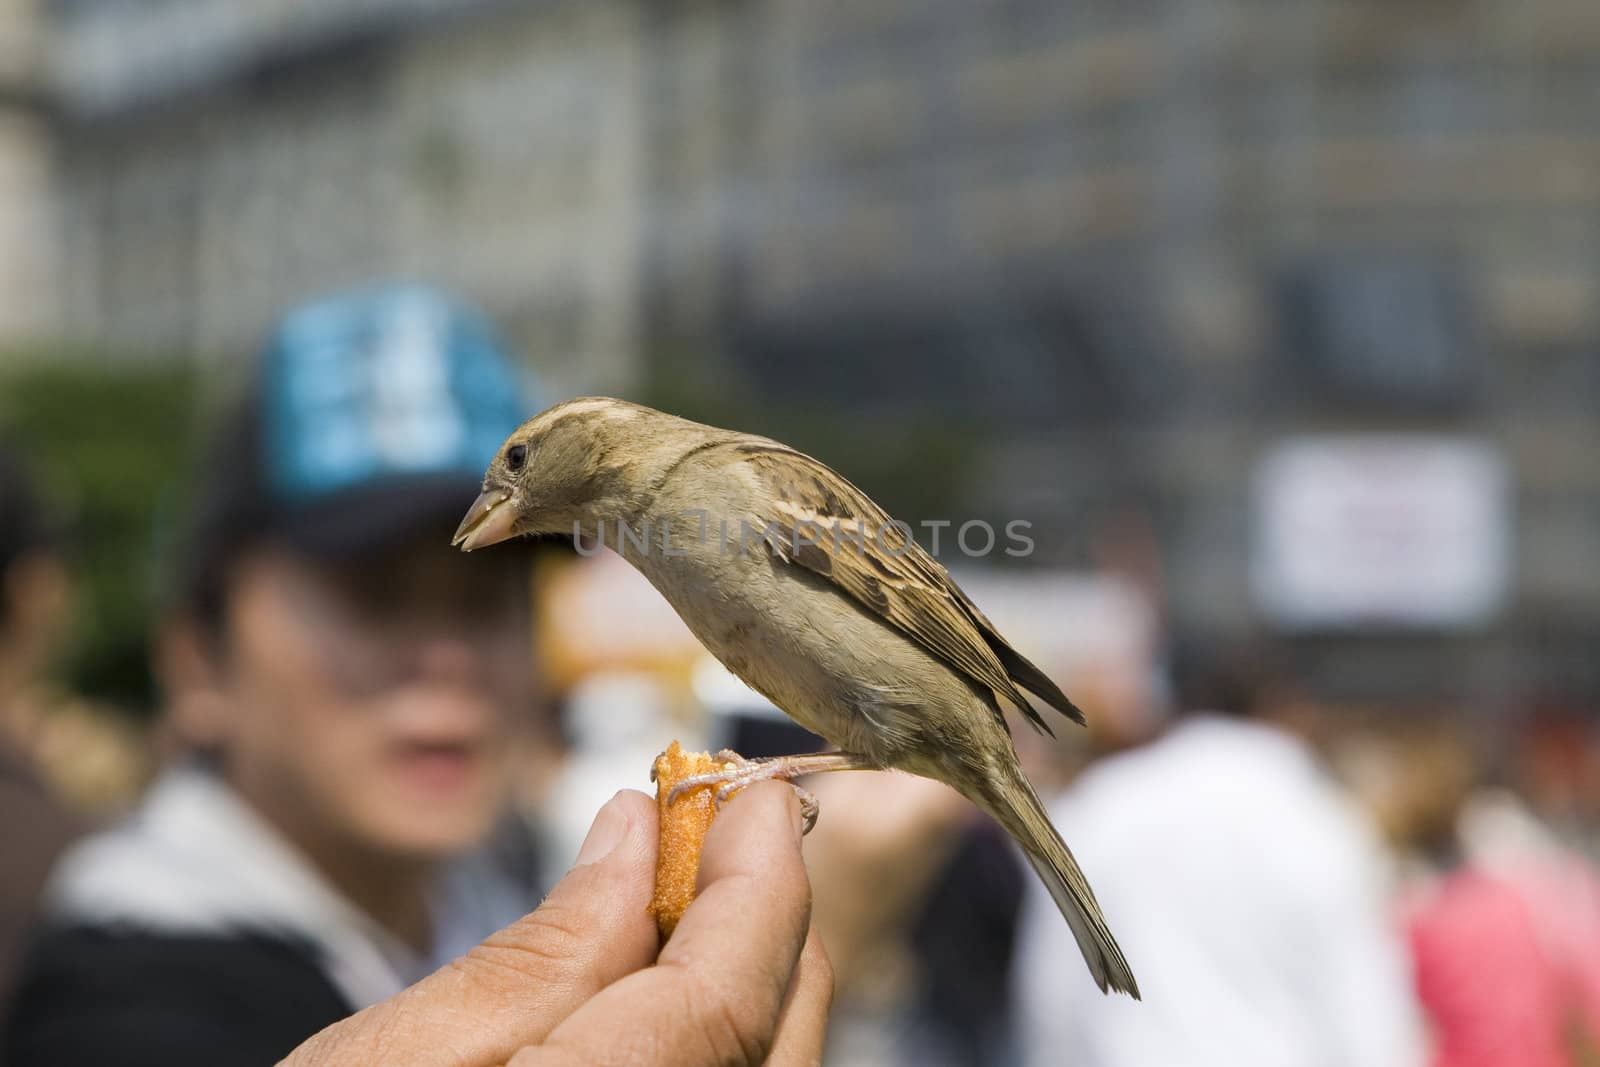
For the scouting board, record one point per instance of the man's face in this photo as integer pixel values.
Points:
(372, 702)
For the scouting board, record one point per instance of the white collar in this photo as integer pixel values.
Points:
(195, 858)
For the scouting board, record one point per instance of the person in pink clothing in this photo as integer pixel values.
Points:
(1505, 929)
(1491, 995)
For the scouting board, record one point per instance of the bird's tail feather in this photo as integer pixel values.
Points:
(1018, 810)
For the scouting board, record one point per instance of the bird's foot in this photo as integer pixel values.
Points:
(742, 772)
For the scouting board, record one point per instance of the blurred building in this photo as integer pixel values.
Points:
(221, 160)
(1145, 242)
(27, 276)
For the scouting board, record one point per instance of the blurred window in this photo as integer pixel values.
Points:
(1079, 353)
(1379, 331)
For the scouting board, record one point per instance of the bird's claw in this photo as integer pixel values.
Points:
(745, 772)
(809, 809)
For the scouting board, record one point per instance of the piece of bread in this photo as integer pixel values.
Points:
(684, 823)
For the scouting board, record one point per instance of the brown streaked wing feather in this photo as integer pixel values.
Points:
(1018, 667)
(911, 590)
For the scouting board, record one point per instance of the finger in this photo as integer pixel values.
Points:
(716, 993)
(803, 1022)
(515, 987)
(592, 929)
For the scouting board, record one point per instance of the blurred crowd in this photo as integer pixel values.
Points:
(373, 751)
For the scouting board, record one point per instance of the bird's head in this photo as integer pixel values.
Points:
(568, 464)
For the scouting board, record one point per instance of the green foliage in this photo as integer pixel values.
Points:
(108, 439)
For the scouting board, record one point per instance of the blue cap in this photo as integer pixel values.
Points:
(392, 384)
(369, 422)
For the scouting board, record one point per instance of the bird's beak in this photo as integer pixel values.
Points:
(489, 521)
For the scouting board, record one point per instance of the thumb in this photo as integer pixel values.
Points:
(515, 987)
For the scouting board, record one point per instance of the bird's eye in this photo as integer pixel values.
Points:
(516, 456)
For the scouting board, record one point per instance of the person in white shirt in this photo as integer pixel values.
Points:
(1250, 898)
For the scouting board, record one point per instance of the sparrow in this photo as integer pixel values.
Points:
(805, 589)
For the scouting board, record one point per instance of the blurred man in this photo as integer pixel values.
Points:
(34, 824)
(352, 683)
(1248, 895)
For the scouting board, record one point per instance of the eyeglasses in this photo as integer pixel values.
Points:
(373, 626)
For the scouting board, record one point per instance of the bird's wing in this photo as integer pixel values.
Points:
(819, 521)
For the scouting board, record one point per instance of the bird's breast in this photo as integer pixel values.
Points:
(831, 664)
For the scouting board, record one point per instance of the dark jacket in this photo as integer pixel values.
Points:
(92, 997)
(193, 932)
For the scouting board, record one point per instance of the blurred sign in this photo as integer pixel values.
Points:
(1405, 530)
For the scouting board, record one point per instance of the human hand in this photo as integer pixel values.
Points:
(579, 981)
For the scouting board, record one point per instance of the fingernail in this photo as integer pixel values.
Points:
(610, 827)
